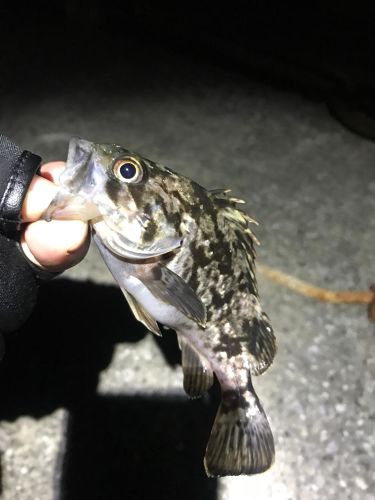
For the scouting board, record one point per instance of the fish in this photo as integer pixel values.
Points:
(184, 258)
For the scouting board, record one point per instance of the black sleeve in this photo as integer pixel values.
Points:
(19, 279)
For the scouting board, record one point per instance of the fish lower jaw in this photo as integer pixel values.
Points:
(130, 249)
(122, 250)
(115, 242)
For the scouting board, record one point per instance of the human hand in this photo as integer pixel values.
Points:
(56, 245)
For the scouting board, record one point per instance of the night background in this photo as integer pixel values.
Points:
(271, 99)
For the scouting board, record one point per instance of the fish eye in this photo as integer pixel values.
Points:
(128, 170)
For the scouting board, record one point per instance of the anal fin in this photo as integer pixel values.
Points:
(198, 375)
(141, 314)
(262, 343)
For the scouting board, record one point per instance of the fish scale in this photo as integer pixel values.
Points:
(184, 257)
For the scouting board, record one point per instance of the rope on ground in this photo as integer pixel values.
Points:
(322, 294)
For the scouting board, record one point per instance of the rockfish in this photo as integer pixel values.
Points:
(184, 257)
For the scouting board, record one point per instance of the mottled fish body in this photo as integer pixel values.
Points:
(183, 257)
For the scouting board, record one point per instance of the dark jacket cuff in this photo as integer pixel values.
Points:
(22, 171)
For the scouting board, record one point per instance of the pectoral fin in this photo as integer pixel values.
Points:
(163, 283)
(140, 314)
(198, 375)
(167, 286)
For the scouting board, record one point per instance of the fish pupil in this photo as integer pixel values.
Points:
(127, 171)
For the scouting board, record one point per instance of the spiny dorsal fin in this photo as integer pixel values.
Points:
(241, 221)
(198, 375)
(238, 224)
(141, 315)
(221, 195)
(229, 210)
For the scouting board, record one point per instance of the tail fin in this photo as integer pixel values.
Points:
(241, 440)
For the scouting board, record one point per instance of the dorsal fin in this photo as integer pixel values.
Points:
(239, 224)
(262, 347)
(228, 209)
(198, 375)
(262, 343)
(221, 194)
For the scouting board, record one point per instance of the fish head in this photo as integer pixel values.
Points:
(125, 197)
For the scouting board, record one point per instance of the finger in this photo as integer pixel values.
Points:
(52, 170)
(38, 197)
(41, 191)
(56, 245)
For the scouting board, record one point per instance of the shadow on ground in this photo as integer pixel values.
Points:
(137, 448)
(115, 447)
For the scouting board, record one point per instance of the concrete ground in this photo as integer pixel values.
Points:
(92, 407)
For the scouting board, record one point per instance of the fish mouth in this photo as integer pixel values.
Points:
(78, 178)
(66, 206)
